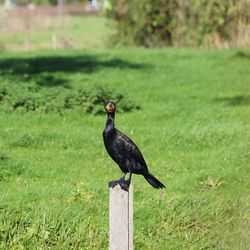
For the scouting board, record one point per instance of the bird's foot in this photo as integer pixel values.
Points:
(112, 184)
(124, 185)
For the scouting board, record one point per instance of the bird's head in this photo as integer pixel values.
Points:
(110, 107)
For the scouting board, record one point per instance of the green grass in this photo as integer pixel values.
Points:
(192, 127)
(73, 31)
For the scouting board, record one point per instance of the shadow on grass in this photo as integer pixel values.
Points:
(52, 72)
(49, 71)
(65, 64)
(242, 55)
(239, 100)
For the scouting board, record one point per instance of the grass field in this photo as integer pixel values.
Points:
(192, 127)
(47, 32)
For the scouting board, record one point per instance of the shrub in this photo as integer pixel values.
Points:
(34, 98)
(154, 23)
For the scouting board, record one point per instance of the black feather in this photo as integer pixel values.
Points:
(153, 181)
(124, 151)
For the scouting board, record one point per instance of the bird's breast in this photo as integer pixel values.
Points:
(112, 147)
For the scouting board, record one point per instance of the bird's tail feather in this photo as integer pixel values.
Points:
(153, 181)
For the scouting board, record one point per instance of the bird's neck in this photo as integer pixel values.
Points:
(110, 123)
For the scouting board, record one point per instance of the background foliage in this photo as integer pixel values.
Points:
(181, 23)
(46, 2)
(34, 98)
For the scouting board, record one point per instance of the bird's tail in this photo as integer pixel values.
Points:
(153, 181)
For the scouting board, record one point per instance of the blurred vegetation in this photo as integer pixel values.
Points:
(181, 23)
(34, 98)
(76, 32)
(46, 2)
(39, 84)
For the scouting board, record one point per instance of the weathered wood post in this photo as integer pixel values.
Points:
(120, 218)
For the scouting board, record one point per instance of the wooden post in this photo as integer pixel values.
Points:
(121, 219)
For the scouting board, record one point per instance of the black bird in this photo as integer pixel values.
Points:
(125, 153)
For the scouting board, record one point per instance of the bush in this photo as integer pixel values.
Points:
(34, 98)
(154, 23)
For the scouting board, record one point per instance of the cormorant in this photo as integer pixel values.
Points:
(125, 153)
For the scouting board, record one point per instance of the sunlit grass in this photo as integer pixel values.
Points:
(192, 128)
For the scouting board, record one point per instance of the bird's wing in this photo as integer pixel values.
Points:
(129, 148)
